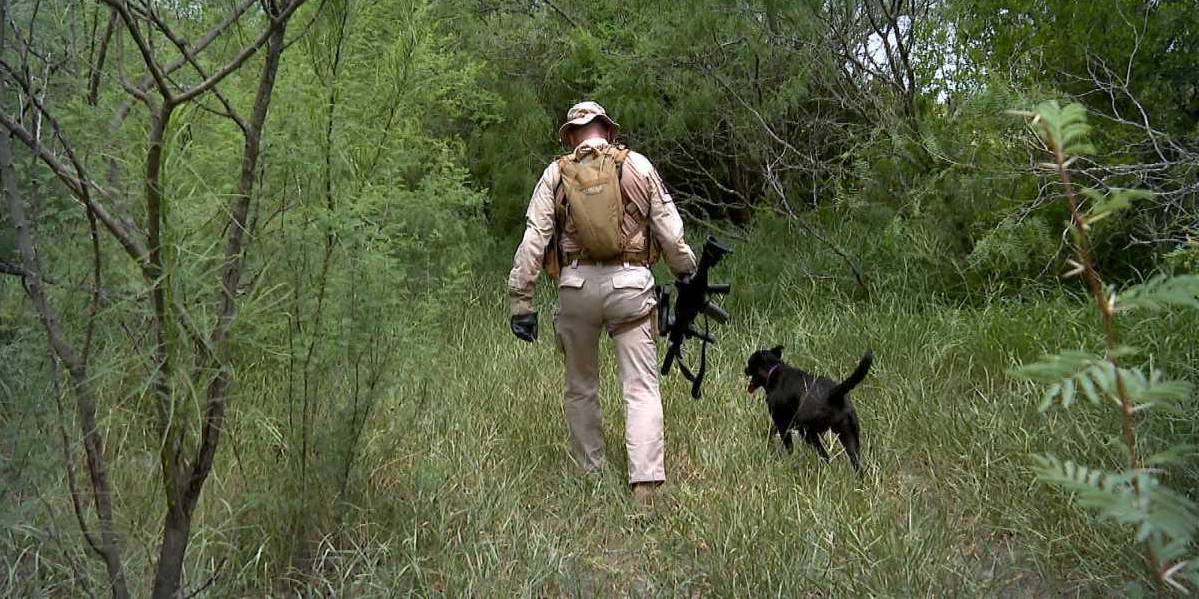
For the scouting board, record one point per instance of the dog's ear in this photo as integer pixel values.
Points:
(777, 351)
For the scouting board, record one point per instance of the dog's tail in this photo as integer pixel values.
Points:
(854, 379)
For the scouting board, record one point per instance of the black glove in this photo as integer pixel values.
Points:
(524, 326)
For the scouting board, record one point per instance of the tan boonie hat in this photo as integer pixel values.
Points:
(583, 113)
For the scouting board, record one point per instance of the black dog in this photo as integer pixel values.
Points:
(805, 403)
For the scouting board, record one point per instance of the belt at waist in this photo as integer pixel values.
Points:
(630, 258)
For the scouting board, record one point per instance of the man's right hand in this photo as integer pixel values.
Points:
(524, 326)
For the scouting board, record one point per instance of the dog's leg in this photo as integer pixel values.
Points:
(848, 433)
(784, 432)
(813, 439)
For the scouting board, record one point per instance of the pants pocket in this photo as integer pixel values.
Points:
(632, 296)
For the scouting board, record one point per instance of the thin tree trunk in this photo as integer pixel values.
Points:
(109, 546)
(330, 243)
(184, 490)
(169, 425)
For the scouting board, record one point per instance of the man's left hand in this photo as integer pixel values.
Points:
(524, 326)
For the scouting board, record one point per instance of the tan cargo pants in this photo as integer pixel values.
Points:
(619, 299)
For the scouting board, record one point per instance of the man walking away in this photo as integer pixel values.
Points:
(598, 220)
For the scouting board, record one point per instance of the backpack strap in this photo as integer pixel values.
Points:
(621, 155)
(559, 221)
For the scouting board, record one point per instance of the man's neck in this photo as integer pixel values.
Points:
(593, 141)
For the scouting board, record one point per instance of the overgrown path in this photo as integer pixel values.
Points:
(471, 455)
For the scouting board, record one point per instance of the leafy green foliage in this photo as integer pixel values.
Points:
(1067, 373)
(1065, 129)
(1161, 292)
(1073, 372)
(1111, 201)
(386, 437)
(1147, 46)
(1014, 249)
(1164, 520)
(1152, 510)
(1184, 258)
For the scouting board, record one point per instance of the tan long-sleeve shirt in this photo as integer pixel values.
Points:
(640, 184)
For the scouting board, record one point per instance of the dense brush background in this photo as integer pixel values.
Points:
(387, 435)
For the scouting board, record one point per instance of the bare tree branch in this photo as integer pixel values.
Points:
(190, 58)
(93, 85)
(241, 57)
(562, 13)
(109, 544)
(80, 189)
(121, 7)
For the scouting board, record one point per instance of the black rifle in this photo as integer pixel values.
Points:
(694, 299)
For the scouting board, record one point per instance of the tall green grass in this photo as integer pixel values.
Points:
(464, 485)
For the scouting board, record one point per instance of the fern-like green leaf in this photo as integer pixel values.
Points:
(1154, 389)
(1133, 498)
(1053, 368)
(1064, 128)
(1165, 520)
(1105, 492)
(1069, 372)
(1160, 292)
(1170, 513)
(1072, 372)
(1067, 392)
(1177, 454)
(1051, 393)
(1104, 204)
(1088, 388)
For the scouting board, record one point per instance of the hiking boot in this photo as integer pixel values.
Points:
(643, 494)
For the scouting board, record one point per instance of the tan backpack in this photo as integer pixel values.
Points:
(593, 200)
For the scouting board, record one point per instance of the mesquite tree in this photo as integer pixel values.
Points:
(185, 56)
